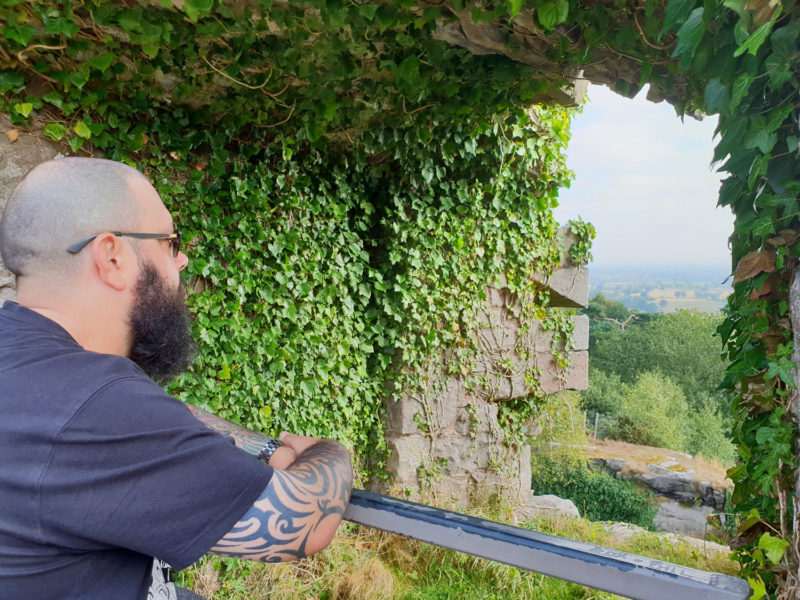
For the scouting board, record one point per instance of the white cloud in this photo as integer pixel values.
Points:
(643, 178)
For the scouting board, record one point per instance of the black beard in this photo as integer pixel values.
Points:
(161, 337)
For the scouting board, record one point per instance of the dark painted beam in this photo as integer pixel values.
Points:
(601, 568)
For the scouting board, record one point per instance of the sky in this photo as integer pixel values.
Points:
(643, 179)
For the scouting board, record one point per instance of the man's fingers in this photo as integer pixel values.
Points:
(298, 443)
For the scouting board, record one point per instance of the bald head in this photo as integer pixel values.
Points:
(60, 202)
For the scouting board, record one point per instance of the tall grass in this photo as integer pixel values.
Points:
(365, 564)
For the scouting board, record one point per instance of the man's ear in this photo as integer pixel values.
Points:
(112, 260)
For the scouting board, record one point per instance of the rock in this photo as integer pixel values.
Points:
(685, 520)
(546, 505)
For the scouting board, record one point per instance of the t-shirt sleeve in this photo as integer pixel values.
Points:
(134, 469)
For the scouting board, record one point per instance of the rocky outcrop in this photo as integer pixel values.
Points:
(668, 479)
(690, 492)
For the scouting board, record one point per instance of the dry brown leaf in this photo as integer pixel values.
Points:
(200, 165)
(175, 155)
(12, 135)
(762, 10)
(749, 266)
(785, 237)
(769, 286)
(771, 339)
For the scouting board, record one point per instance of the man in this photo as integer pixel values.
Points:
(105, 481)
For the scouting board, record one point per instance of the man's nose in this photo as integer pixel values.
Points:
(182, 261)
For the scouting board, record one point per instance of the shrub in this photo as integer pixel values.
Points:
(598, 496)
(653, 413)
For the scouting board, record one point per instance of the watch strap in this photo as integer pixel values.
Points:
(269, 449)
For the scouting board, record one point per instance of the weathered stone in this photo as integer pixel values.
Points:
(569, 286)
(683, 519)
(543, 339)
(575, 378)
(408, 454)
(547, 506)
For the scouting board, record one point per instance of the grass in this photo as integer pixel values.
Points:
(365, 564)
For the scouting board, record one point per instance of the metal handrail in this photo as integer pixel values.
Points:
(620, 573)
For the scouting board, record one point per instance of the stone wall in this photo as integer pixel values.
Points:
(19, 153)
(446, 439)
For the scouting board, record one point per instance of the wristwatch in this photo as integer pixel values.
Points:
(269, 449)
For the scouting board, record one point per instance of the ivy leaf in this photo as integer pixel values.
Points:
(195, 9)
(783, 369)
(309, 386)
(101, 62)
(758, 586)
(675, 13)
(773, 547)
(553, 13)
(78, 79)
(514, 7)
(55, 131)
(689, 35)
(11, 81)
(61, 27)
(408, 69)
(23, 108)
(759, 36)
(19, 33)
(82, 129)
(717, 97)
(740, 88)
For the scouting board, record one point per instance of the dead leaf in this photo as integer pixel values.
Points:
(756, 262)
(175, 155)
(200, 165)
(762, 10)
(771, 339)
(12, 135)
(769, 286)
(785, 237)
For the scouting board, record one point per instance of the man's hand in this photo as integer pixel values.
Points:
(284, 456)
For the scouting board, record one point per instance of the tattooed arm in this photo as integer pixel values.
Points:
(250, 441)
(299, 510)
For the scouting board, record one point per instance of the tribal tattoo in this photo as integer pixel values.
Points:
(251, 442)
(298, 512)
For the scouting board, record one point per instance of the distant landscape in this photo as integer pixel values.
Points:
(664, 289)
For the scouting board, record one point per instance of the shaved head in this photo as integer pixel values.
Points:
(60, 202)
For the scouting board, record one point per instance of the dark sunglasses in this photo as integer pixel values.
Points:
(174, 240)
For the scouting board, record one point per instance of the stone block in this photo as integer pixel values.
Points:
(569, 286)
(543, 339)
(400, 416)
(408, 454)
(575, 378)
(580, 334)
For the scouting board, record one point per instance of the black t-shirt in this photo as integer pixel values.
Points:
(100, 471)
